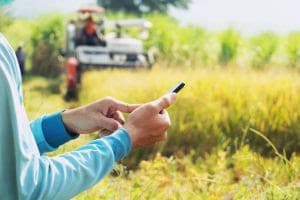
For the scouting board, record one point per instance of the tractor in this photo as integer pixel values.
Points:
(107, 46)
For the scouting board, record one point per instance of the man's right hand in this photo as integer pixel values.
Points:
(148, 123)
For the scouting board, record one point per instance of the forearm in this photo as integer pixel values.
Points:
(64, 176)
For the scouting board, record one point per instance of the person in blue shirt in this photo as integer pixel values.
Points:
(26, 173)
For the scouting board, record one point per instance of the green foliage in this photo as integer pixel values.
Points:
(47, 39)
(177, 44)
(49, 28)
(229, 43)
(5, 20)
(293, 49)
(173, 43)
(20, 31)
(263, 47)
(142, 6)
(17, 32)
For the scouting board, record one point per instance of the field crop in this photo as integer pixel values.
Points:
(212, 151)
(217, 107)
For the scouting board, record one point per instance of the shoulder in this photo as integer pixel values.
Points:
(6, 74)
(8, 57)
(7, 54)
(9, 68)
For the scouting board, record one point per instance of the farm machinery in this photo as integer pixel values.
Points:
(105, 45)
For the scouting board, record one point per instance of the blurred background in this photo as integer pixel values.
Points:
(235, 126)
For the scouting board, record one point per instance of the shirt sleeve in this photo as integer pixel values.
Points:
(50, 178)
(49, 132)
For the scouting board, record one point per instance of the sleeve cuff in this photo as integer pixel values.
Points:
(36, 128)
(54, 130)
(120, 143)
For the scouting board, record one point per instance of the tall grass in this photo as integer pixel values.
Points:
(212, 120)
(216, 109)
(245, 175)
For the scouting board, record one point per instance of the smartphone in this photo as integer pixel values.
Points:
(177, 87)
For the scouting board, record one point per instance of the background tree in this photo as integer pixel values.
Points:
(143, 6)
(47, 38)
(229, 43)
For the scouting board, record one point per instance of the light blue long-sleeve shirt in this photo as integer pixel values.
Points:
(24, 172)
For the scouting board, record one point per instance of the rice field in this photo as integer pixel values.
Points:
(234, 135)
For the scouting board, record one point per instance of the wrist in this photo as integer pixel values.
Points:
(67, 121)
(131, 133)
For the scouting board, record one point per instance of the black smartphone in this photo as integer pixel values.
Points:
(177, 87)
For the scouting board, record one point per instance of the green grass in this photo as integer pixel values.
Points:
(214, 150)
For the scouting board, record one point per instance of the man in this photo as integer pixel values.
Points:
(89, 36)
(27, 174)
(21, 57)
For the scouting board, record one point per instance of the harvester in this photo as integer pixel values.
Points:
(111, 46)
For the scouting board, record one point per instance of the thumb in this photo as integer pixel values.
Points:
(109, 123)
(165, 101)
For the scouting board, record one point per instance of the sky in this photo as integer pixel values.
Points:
(247, 16)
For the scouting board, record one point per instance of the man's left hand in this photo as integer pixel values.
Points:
(104, 115)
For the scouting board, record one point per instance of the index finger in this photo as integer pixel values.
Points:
(125, 107)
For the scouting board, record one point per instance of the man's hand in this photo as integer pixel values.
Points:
(104, 114)
(148, 123)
